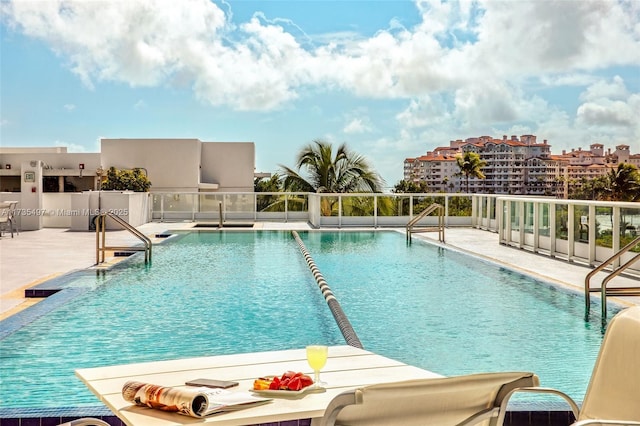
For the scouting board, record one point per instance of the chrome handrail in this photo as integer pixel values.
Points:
(411, 226)
(101, 220)
(628, 291)
(603, 287)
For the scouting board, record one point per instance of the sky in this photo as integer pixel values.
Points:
(391, 79)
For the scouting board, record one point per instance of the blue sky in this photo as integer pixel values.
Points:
(392, 79)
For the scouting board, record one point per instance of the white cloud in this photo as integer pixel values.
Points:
(498, 103)
(69, 107)
(139, 42)
(429, 110)
(139, 105)
(537, 36)
(468, 68)
(259, 65)
(611, 112)
(357, 125)
(602, 89)
(571, 79)
(71, 147)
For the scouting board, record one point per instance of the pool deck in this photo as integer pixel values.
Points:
(33, 257)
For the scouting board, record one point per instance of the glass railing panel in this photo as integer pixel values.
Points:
(504, 222)
(361, 206)
(209, 203)
(604, 227)
(492, 208)
(562, 221)
(459, 206)
(177, 202)
(156, 203)
(528, 218)
(544, 227)
(515, 215)
(422, 202)
(240, 203)
(298, 202)
(629, 227)
(270, 202)
(329, 205)
(393, 206)
(581, 223)
(484, 202)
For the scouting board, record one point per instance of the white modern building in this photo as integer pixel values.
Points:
(172, 165)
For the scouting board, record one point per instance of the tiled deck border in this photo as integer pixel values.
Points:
(513, 418)
(57, 298)
(55, 293)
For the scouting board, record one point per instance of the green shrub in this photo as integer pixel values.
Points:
(126, 180)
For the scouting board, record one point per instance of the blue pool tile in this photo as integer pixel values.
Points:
(561, 417)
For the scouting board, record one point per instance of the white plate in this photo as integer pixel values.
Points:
(289, 393)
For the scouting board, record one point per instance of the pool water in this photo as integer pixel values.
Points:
(212, 293)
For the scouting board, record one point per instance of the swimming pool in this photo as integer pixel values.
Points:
(228, 292)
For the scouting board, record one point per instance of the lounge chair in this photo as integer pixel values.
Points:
(459, 400)
(613, 394)
(612, 397)
(6, 218)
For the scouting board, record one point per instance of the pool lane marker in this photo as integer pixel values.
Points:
(334, 306)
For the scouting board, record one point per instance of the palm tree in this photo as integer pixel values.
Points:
(268, 202)
(624, 183)
(343, 172)
(470, 164)
(272, 184)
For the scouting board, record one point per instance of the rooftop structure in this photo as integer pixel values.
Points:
(172, 165)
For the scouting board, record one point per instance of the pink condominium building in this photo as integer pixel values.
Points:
(515, 165)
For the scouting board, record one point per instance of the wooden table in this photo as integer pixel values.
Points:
(346, 368)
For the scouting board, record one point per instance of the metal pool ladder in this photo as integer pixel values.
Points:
(101, 247)
(604, 291)
(412, 226)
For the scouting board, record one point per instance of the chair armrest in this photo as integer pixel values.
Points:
(606, 423)
(567, 398)
(85, 421)
(336, 405)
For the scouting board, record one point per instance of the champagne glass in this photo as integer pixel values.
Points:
(317, 358)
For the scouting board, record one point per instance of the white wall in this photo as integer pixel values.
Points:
(171, 164)
(59, 210)
(229, 164)
(75, 210)
(63, 160)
